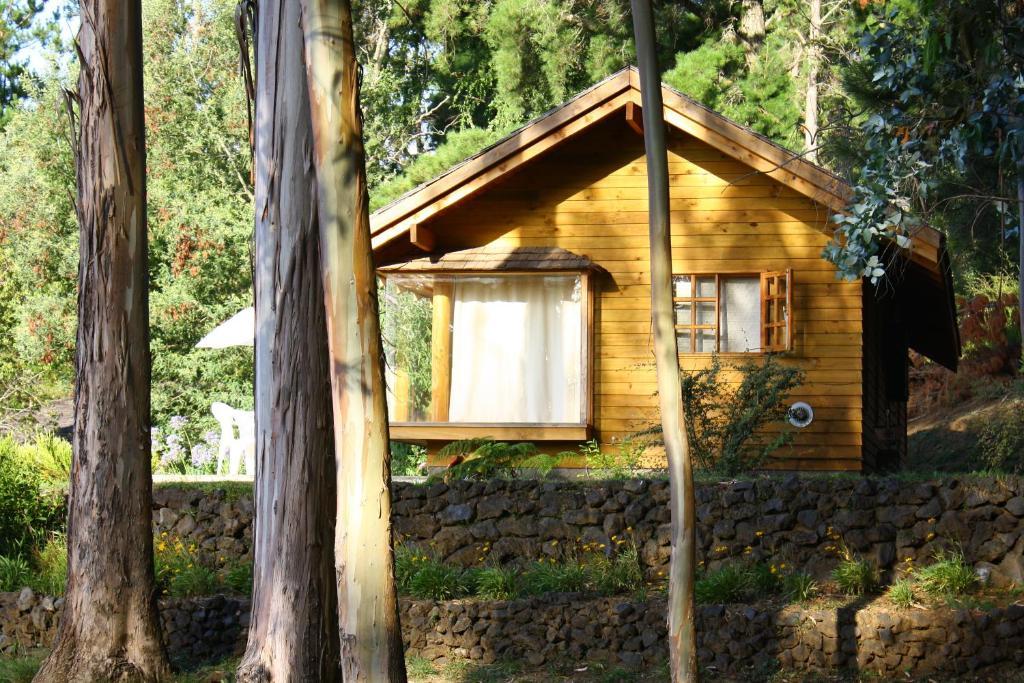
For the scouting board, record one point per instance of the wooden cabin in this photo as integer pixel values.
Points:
(516, 287)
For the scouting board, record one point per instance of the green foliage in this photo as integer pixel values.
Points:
(799, 586)
(1001, 439)
(200, 215)
(15, 573)
(28, 508)
(22, 23)
(621, 463)
(20, 669)
(406, 459)
(435, 580)
(50, 455)
(949, 575)
(484, 458)
(855, 575)
(618, 574)
(51, 566)
(419, 667)
(941, 137)
(566, 576)
(498, 583)
(726, 426)
(731, 583)
(901, 593)
(457, 147)
(238, 578)
(179, 571)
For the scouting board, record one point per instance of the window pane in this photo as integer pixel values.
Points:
(681, 285)
(705, 313)
(684, 313)
(504, 349)
(683, 341)
(705, 341)
(741, 314)
(705, 287)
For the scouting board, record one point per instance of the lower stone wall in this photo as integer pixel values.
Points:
(731, 639)
(796, 520)
(196, 630)
(566, 628)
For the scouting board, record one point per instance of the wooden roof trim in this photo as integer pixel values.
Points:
(525, 137)
(476, 183)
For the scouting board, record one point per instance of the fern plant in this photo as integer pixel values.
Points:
(484, 458)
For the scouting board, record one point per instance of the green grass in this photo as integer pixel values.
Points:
(855, 575)
(799, 587)
(948, 576)
(727, 585)
(418, 668)
(15, 573)
(22, 668)
(498, 583)
(51, 575)
(567, 576)
(233, 490)
(901, 592)
(618, 574)
(438, 581)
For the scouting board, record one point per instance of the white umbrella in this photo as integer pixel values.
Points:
(238, 330)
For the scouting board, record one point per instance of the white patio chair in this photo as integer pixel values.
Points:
(234, 448)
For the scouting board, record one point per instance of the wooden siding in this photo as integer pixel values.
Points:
(589, 196)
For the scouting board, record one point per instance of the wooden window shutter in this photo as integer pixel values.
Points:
(776, 311)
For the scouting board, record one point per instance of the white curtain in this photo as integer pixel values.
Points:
(517, 350)
(741, 314)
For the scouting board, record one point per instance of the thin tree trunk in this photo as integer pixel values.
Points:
(682, 636)
(371, 638)
(813, 66)
(110, 629)
(294, 631)
(752, 28)
(1020, 252)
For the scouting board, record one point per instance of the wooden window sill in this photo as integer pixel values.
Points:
(455, 431)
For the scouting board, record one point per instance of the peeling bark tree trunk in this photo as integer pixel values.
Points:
(110, 629)
(294, 630)
(682, 637)
(1020, 251)
(371, 639)
(813, 66)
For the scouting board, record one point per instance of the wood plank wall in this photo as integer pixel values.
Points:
(590, 197)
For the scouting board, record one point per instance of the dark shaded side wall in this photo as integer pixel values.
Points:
(885, 380)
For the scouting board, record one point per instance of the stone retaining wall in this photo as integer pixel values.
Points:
(794, 520)
(196, 630)
(561, 628)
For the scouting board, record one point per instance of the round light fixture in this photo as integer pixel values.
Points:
(800, 414)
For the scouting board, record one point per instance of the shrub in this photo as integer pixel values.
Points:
(179, 573)
(238, 578)
(799, 586)
(51, 562)
(619, 574)
(855, 575)
(948, 575)
(408, 561)
(27, 508)
(620, 463)
(568, 576)
(485, 459)
(901, 592)
(15, 573)
(1001, 439)
(726, 425)
(729, 584)
(498, 583)
(435, 580)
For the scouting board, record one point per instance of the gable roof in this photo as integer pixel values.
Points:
(609, 97)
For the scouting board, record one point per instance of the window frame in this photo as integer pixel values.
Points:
(426, 431)
(765, 306)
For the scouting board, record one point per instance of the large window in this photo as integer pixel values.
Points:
(486, 349)
(732, 313)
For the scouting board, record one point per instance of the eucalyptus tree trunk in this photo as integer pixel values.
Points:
(110, 629)
(294, 631)
(371, 638)
(1020, 252)
(682, 636)
(813, 67)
